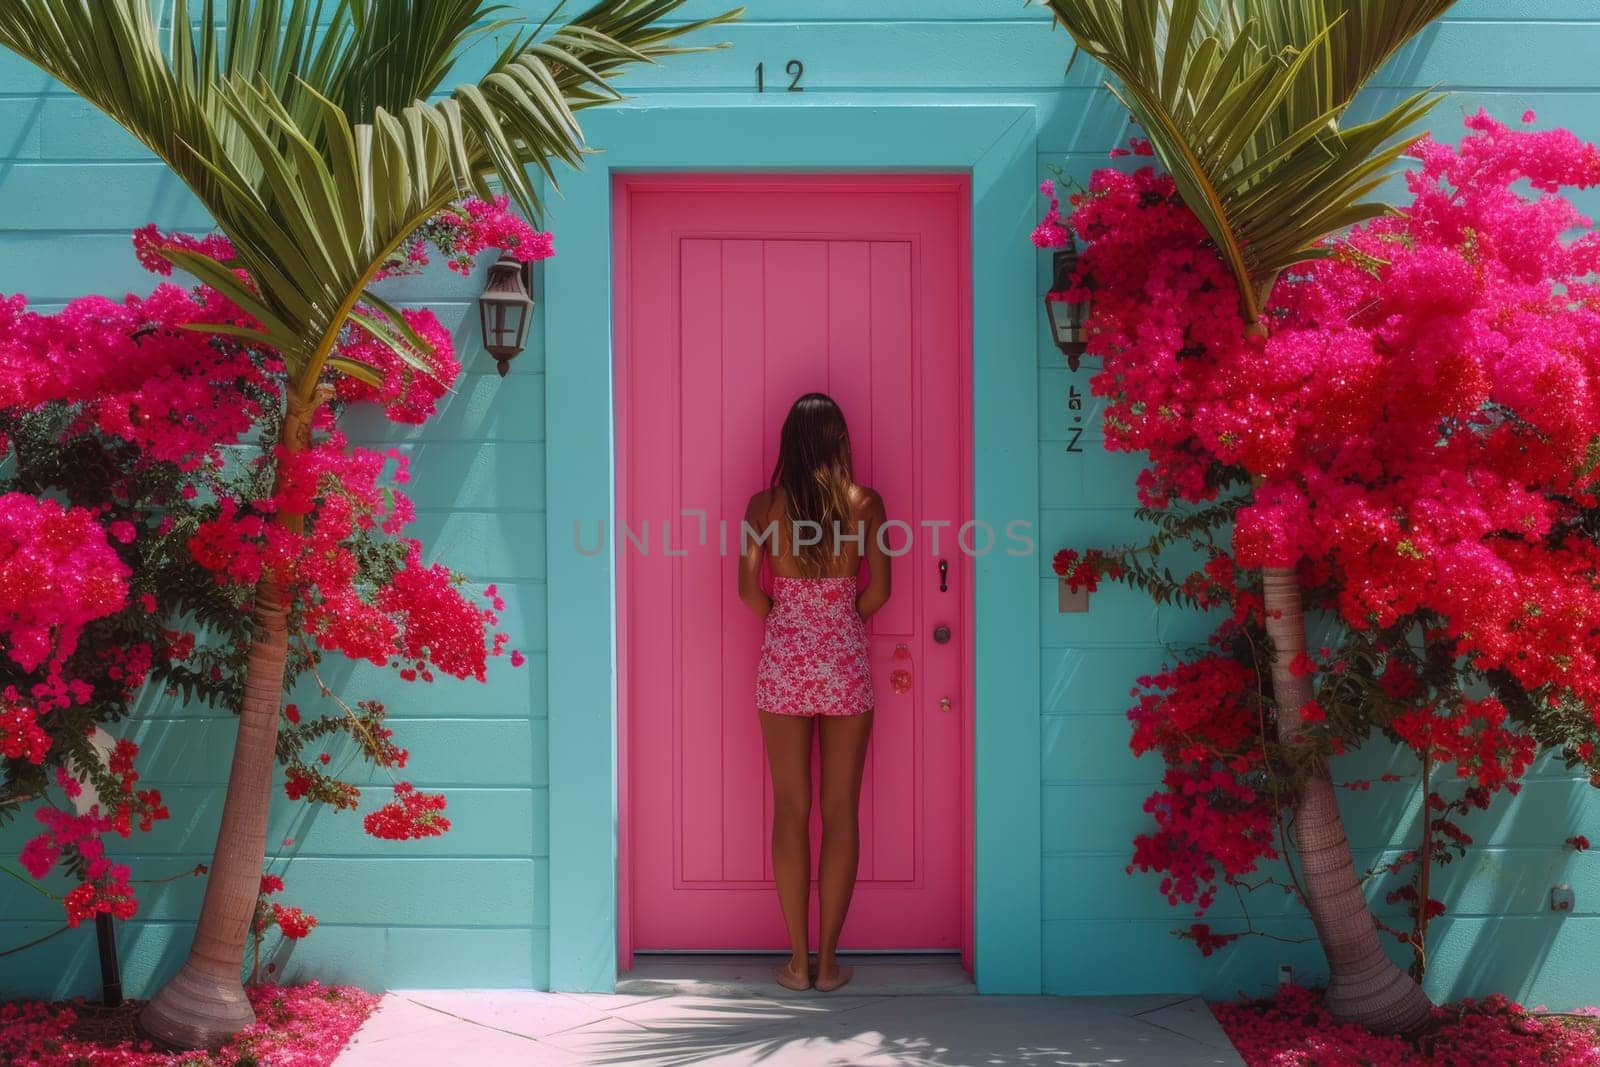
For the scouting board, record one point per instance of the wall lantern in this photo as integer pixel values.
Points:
(1068, 320)
(506, 309)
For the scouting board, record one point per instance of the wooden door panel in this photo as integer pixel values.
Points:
(739, 302)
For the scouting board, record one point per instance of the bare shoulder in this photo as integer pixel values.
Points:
(868, 503)
(760, 506)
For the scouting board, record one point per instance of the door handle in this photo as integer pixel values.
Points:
(941, 634)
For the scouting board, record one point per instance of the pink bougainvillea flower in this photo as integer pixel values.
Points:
(411, 814)
(1413, 432)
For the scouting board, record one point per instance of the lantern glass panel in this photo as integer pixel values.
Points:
(1068, 319)
(505, 309)
(1062, 322)
(505, 324)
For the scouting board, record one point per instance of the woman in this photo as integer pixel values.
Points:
(815, 524)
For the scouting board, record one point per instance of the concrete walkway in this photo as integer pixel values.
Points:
(861, 1026)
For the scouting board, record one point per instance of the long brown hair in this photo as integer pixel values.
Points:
(814, 472)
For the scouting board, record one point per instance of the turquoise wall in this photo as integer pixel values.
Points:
(473, 908)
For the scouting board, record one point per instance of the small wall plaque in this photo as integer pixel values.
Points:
(1069, 602)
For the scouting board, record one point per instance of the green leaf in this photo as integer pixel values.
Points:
(315, 135)
(359, 371)
(1242, 102)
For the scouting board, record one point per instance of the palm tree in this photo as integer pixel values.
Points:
(1242, 101)
(315, 135)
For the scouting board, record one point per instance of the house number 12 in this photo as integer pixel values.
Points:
(794, 68)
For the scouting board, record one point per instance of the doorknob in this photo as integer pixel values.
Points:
(941, 634)
(944, 703)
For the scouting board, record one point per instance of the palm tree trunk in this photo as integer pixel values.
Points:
(205, 1004)
(1364, 985)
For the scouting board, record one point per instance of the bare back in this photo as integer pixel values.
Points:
(766, 511)
(770, 506)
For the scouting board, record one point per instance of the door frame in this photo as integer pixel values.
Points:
(996, 148)
(624, 185)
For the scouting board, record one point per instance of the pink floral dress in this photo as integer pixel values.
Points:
(814, 655)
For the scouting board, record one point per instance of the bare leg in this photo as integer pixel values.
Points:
(844, 757)
(788, 742)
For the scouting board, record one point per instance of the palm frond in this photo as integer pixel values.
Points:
(316, 135)
(1362, 37)
(1242, 101)
(401, 51)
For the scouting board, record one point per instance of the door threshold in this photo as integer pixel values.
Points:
(750, 975)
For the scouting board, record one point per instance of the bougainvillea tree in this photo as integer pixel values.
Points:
(1433, 495)
(1247, 106)
(137, 459)
(318, 140)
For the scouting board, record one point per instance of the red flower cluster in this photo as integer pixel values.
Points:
(296, 1026)
(1085, 572)
(414, 612)
(150, 243)
(79, 839)
(137, 371)
(1294, 1029)
(1205, 939)
(1445, 365)
(126, 410)
(88, 899)
(1215, 813)
(292, 922)
(410, 815)
(407, 395)
(20, 736)
(1416, 424)
(1476, 737)
(438, 625)
(57, 574)
(461, 233)
(1051, 233)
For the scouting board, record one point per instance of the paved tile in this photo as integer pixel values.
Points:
(1190, 1018)
(1134, 1004)
(816, 1030)
(398, 1017)
(599, 1042)
(365, 1051)
(1019, 1030)
(798, 1051)
(399, 1028)
(609, 1001)
(522, 1012)
(735, 1013)
(617, 1042)
(464, 1044)
(752, 976)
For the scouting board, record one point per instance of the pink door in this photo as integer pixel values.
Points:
(735, 296)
